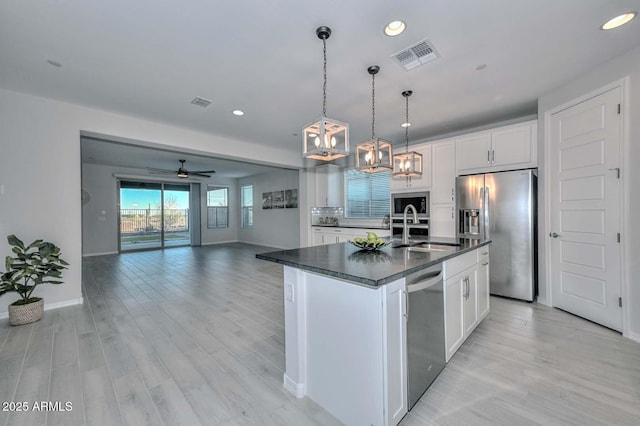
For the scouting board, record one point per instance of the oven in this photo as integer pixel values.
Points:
(399, 201)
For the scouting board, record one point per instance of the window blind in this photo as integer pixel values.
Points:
(367, 194)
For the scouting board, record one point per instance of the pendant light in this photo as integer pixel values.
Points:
(409, 163)
(325, 139)
(374, 155)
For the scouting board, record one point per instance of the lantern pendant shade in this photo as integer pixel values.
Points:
(408, 164)
(374, 156)
(325, 139)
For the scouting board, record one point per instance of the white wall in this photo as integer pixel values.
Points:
(278, 228)
(627, 65)
(40, 171)
(100, 215)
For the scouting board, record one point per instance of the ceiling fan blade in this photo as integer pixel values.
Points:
(200, 174)
(202, 171)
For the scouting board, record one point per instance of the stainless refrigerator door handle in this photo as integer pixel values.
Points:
(486, 212)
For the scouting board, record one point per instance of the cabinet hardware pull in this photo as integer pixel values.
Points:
(493, 156)
(485, 263)
(488, 157)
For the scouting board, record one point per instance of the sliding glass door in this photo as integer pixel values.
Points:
(176, 215)
(153, 215)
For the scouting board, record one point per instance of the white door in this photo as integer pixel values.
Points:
(585, 196)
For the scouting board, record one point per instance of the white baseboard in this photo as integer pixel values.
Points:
(100, 254)
(219, 242)
(50, 306)
(633, 336)
(295, 388)
(543, 301)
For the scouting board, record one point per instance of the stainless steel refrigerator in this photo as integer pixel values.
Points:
(502, 207)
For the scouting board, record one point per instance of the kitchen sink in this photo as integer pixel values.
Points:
(424, 245)
(427, 248)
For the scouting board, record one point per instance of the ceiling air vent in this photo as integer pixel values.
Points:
(201, 102)
(418, 54)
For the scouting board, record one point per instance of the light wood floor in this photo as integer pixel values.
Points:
(195, 336)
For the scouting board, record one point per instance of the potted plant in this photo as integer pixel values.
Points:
(37, 263)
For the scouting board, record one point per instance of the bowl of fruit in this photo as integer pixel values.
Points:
(370, 243)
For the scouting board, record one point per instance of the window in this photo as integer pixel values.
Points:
(217, 207)
(367, 194)
(247, 206)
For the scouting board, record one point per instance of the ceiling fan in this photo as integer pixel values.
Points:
(182, 172)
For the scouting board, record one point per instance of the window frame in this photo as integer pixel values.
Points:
(248, 207)
(211, 188)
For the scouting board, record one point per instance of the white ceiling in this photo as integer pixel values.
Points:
(149, 58)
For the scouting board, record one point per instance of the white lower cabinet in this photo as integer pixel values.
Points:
(346, 347)
(483, 282)
(466, 296)
(395, 336)
(470, 301)
(454, 328)
(332, 235)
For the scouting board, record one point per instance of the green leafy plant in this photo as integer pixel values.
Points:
(32, 265)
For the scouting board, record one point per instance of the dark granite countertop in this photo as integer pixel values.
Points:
(346, 262)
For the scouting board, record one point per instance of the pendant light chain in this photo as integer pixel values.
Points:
(373, 106)
(406, 127)
(324, 86)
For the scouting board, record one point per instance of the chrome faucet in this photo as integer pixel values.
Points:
(405, 225)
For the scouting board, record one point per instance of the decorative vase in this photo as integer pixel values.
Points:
(26, 313)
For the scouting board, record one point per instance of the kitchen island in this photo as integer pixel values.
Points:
(346, 320)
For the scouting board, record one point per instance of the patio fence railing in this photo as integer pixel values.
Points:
(139, 221)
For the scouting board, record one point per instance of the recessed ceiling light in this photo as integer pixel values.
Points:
(238, 112)
(54, 63)
(394, 28)
(405, 125)
(618, 21)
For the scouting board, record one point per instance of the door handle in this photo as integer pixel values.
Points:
(554, 234)
(617, 170)
(488, 157)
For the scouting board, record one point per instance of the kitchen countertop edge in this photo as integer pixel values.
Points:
(371, 282)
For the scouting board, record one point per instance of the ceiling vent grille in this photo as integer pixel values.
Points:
(416, 55)
(201, 102)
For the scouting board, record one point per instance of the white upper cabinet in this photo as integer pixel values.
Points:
(504, 148)
(419, 182)
(328, 186)
(444, 172)
(474, 151)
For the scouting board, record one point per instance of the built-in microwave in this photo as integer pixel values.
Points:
(419, 200)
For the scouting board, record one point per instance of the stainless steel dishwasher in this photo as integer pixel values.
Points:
(425, 330)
